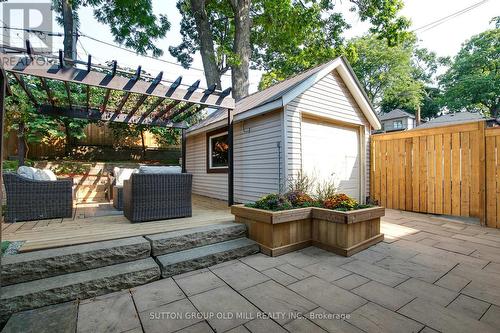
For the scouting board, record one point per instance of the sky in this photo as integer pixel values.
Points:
(444, 39)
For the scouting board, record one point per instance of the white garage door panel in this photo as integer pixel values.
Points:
(331, 152)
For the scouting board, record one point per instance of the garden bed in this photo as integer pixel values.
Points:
(342, 232)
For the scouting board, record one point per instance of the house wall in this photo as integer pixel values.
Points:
(212, 185)
(257, 156)
(408, 123)
(328, 99)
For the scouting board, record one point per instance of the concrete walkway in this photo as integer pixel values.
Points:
(430, 274)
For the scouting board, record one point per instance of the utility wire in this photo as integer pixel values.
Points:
(442, 20)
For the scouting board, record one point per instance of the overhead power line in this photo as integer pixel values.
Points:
(442, 20)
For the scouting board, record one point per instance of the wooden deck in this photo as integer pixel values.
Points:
(97, 222)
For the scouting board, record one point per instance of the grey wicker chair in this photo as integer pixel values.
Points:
(29, 200)
(150, 197)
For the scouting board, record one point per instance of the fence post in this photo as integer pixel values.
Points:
(482, 173)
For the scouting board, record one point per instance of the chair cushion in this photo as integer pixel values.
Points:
(26, 172)
(122, 174)
(44, 174)
(159, 169)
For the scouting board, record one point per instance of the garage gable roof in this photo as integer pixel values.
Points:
(283, 92)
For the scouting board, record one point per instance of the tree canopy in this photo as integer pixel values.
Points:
(473, 80)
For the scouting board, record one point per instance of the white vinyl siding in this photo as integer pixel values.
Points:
(208, 184)
(329, 98)
(257, 156)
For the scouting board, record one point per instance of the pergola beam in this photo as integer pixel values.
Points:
(24, 86)
(45, 87)
(97, 115)
(116, 82)
(166, 109)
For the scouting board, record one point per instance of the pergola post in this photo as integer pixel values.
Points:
(230, 164)
(183, 151)
(3, 88)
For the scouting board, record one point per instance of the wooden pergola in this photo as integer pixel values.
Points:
(108, 94)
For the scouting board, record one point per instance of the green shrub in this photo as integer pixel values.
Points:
(273, 202)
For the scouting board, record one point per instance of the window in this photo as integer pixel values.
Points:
(398, 124)
(217, 152)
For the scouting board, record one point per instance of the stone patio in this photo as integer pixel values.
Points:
(430, 274)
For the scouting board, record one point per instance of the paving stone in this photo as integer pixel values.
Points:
(483, 290)
(351, 281)
(299, 259)
(469, 306)
(201, 257)
(49, 319)
(279, 276)
(180, 240)
(374, 272)
(272, 297)
(86, 284)
(381, 294)
(453, 282)
(240, 276)
(442, 319)
(428, 291)
(197, 283)
(412, 269)
(462, 248)
(239, 329)
(303, 325)
(108, 314)
(493, 267)
(154, 294)
(225, 301)
(394, 251)
(294, 271)
(201, 327)
(327, 271)
(473, 273)
(369, 256)
(170, 317)
(429, 241)
(261, 325)
(375, 318)
(492, 316)
(262, 262)
(41, 264)
(433, 262)
(328, 296)
(331, 323)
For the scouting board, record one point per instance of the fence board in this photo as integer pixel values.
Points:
(451, 170)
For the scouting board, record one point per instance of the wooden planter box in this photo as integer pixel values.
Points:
(344, 233)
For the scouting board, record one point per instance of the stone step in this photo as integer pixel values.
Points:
(35, 265)
(204, 256)
(186, 239)
(80, 285)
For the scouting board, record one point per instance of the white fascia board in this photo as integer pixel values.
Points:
(259, 110)
(356, 92)
(212, 126)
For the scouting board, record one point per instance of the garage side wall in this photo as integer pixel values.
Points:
(212, 185)
(258, 153)
(329, 98)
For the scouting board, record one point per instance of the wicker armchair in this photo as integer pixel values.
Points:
(150, 197)
(36, 199)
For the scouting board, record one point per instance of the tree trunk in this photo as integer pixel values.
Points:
(69, 139)
(206, 40)
(241, 48)
(21, 144)
(143, 146)
(69, 29)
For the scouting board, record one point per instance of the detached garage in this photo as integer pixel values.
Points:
(318, 122)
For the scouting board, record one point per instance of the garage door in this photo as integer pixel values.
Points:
(331, 152)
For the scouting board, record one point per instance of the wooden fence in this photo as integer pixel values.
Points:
(450, 170)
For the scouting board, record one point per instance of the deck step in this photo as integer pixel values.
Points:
(79, 285)
(41, 264)
(186, 239)
(204, 256)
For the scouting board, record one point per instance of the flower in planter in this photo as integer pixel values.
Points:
(299, 199)
(272, 202)
(340, 201)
